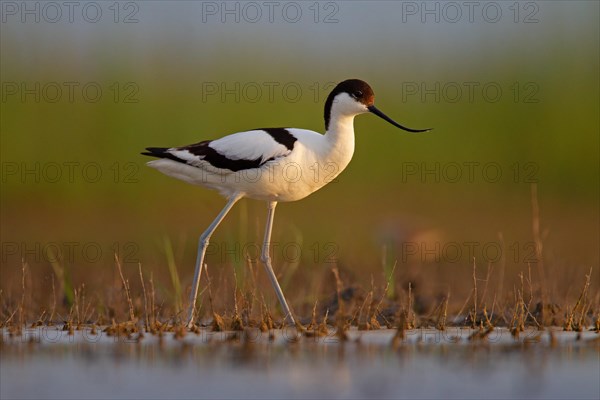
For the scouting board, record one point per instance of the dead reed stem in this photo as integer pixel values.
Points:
(152, 299)
(576, 318)
(339, 317)
(502, 270)
(443, 315)
(385, 290)
(22, 317)
(457, 318)
(474, 314)
(539, 246)
(146, 318)
(487, 280)
(126, 289)
(411, 317)
(53, 300)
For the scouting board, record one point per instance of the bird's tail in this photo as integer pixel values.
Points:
(158, 152)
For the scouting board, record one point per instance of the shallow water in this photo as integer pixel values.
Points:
(49, 363)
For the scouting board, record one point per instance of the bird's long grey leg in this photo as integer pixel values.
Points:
(266, 259)
(202, 245)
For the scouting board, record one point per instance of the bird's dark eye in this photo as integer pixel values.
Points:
(357, 94)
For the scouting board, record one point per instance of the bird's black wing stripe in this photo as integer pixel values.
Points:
(208, 154)
(218, 160)
(281, 136)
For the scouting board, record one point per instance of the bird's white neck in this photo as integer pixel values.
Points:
(340, 137)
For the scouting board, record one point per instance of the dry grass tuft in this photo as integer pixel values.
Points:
(123, 329)
(315, 329)
(132, 306)
(576, 318)
(443, 314)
